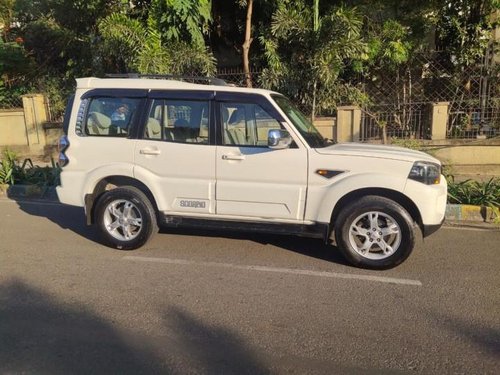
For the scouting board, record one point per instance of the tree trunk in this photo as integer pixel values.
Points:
(313, 109)
(247, 43)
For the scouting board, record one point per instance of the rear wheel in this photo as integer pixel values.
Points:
(375, 232)
(126, 218)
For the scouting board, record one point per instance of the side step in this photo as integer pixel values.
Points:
(318, 230)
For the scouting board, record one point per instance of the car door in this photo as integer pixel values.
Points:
(252, 179)
(176, 152)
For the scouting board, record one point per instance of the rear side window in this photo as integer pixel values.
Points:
(181, 121)
(111, 117)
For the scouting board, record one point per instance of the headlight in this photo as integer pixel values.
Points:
(426, 173)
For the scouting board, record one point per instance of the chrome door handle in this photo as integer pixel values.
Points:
(233, 157)
(149, 151)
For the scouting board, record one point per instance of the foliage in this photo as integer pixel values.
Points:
(182, 20)
(464, 29)
(29, 174)
(474, 192)
(11, 172)
(7, 165)
(306, 63)
(57, 90)
(129, 45)
(412, 144)
(15, 63)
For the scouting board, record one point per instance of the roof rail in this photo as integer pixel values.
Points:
(192, 79)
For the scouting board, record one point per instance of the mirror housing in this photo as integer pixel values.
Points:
(278, 139)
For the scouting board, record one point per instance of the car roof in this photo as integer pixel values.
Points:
(160, 84)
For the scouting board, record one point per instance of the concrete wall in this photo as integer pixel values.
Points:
(24, 126)
(12, 127)
(470, 161)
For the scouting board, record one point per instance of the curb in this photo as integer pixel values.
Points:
(455, 213)
(469, 213)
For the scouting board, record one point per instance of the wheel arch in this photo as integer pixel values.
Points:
(394, 195)
(111, 182)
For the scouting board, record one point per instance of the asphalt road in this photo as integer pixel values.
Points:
(234, 303)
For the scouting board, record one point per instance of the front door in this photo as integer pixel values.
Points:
(252, 179)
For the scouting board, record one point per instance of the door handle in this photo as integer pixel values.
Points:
(233, 157)
(149, 151)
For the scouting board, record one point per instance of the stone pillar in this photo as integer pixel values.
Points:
(439, 120)
(348, 124)
(325, 126)
(35, 115)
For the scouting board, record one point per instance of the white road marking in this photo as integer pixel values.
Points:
(473, 229)
(380, 279)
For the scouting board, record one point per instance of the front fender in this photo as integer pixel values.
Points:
(323, 199)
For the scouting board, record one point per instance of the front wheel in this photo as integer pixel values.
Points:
(125, 217)
(375, 232)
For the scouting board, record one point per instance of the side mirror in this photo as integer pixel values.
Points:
(278, 139)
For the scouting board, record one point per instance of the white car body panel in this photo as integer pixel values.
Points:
(247, 184)
(179, 172)
(262, 183)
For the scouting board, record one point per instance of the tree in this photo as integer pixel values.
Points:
(306, 61)
(129, 45)
(247, 42)
(6, 16)
(388, 55)
(181, 20)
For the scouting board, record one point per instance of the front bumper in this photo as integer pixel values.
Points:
(429, 229)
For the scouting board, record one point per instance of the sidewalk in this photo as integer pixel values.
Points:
(456, 214)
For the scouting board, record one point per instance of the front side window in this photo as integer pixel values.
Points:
(245, 124)
(111, 117)
(182, 121)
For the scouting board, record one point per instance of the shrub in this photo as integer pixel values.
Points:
(11, 172)
(7, 166)
(474, 192)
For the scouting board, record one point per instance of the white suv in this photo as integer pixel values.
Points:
(139, 153)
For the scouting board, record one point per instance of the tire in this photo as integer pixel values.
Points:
(375, 232)
(126, 218)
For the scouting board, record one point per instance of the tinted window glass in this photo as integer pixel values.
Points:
(184, 121)
(111, 117)
(246, 124)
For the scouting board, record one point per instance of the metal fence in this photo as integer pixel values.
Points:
(7, 102)
(406, 121)
(402, 99)
(236, 76)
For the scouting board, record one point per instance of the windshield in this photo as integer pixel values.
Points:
(312, 136)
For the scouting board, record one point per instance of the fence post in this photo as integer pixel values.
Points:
(35, 115)
(348, 124)
(439, 119)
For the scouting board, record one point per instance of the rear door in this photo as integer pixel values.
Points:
(176, 154)
(252, 179)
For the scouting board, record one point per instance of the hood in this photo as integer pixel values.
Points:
(377, 151)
